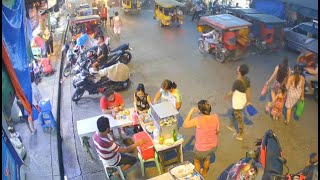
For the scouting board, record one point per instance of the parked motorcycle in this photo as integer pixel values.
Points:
(72, 57)
(314, 84)
(218, 50)
(115, 77)
(119, 54)
(266, 162)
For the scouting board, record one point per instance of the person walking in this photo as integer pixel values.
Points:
(117, 24)
(295, 88)
(103, 15)
(241, 96)
(48, 37)
(278, 103)
(111, 14)
(207, 130)
(197, 11)
(281, 73)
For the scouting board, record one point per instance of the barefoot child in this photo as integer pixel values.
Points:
(278, 103)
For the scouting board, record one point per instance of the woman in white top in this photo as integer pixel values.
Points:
(117, 24)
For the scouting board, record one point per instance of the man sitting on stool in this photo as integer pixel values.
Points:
(110, 153)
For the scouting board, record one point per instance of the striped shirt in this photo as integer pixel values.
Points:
(107, 150)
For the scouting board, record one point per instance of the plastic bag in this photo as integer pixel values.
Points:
(299, 109)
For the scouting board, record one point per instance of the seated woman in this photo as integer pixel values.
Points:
(142, 102)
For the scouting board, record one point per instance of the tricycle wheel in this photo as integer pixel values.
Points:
(67, 70)
(77, 95)
(201, 46)
(220, 56)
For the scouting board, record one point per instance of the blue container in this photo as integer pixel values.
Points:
(251, 110)
(45, 105)
(35, 113)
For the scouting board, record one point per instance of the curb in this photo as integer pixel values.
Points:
(57, 96)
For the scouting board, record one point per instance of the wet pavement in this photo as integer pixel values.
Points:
(171, 53)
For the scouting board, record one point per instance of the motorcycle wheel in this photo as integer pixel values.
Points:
(201, 46)
(77, 95)
(67, 70)
(122, 86)
(220, 56)
(126, 57)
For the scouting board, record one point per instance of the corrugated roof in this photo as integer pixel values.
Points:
(224, 21)
(312, 4)
(266, 18)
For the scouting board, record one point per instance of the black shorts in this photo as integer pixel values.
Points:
(126, 159)
(104, 18)
(111, 17)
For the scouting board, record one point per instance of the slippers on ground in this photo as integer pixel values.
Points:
(286, 122)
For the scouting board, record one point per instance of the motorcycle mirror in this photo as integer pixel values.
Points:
(282, 160)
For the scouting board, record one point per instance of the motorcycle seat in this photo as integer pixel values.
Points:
(114, 53)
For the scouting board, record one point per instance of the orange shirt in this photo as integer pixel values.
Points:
(105, 104)
(104, 12)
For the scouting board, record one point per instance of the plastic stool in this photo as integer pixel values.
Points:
(118, 169)
(46, 114)
(155, 159)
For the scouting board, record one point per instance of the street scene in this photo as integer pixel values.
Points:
(164, 90)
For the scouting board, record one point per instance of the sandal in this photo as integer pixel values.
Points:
(286, 122)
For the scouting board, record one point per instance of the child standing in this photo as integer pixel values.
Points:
(278, 103)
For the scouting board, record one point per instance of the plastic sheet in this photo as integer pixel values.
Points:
(13, 35)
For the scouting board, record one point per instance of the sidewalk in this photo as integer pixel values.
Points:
(42, 147)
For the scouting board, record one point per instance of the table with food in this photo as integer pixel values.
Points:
(182, 171)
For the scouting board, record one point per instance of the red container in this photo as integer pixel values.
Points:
(146, 150)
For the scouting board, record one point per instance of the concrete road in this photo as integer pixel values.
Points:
(171, 53)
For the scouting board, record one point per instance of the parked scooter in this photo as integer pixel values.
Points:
(314, 84)
(115, 77)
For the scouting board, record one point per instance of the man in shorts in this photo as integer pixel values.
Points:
(110, 153)
(103, 15)
(111, 14)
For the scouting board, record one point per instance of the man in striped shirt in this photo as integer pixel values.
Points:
(109, 152)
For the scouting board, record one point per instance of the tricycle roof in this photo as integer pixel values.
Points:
(244, 10)
(81, 19)
(265, 18)
(169, 3)
(224, 21)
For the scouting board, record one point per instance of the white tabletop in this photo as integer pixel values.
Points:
(87, 127)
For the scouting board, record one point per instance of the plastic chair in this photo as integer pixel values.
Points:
(118, 169)
(155, 159)
(46, 114)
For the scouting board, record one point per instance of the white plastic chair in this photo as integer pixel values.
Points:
(118, 169)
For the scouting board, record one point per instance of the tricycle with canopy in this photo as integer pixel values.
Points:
(231, 36)
(168, 12)
(267, 31)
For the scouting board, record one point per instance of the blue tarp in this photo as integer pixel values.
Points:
(272, 7)
(13, 36)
